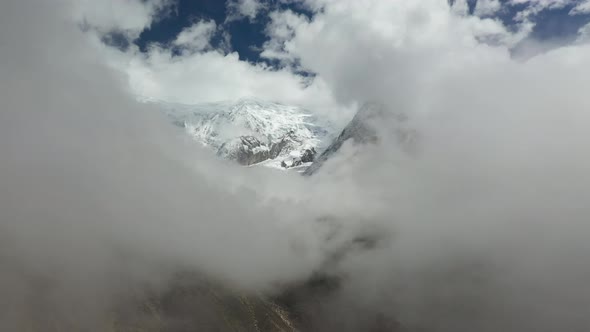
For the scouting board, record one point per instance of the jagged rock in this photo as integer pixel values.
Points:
(308, 155)
(359, 130)
(246, 150)
(286, 131)
(279, 147)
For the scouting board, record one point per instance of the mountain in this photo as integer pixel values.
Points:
(254, 132)
(362, 129)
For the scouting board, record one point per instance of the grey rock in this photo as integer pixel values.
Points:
(362, 130)
(246, 150)
(308, 155)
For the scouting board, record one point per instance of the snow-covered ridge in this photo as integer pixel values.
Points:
(252, 131)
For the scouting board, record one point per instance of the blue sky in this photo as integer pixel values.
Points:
(248, 35)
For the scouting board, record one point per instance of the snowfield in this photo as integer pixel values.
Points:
(254, 132)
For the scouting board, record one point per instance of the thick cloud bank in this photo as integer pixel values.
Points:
(99, 194)
(482, 227)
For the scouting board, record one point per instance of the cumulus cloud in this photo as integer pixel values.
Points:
(280, 31)
(128, 17)
(190, 78)
(584, 33)
(213, 75)
(487, 7)
(581, 8)
(197, 37)
(401, 43)
(464, 210)
(534, 7)
(192, 70)
(460, 7)
(102, 196)
(238, 9)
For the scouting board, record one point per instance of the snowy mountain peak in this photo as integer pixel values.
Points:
(253, 131)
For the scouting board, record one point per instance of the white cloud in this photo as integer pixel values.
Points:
(238, 9)
(129, 17)
(582, 8)
(543, 4)
(201, 73)
(460, 7)
(377, 49)
(104, 198)
(341, 33)
(487, 7)
(536, 6)
(197, 37)
(281, 30)
(584, 34)
(212, 75)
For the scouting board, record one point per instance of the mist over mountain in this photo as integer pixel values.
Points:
(364, 129)
(252, 131)
(255, 132)
(454, 201)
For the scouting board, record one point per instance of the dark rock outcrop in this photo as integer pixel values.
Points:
(251, 131)
(278, 147)
(246, 150)
(308, 155)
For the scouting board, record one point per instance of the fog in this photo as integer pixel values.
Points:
(481, 227)
(100, 193)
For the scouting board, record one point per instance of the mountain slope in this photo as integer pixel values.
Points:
(252, 131)
(362, 129)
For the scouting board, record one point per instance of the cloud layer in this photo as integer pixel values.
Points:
(102, 195)
(483, 228)
(203, 72)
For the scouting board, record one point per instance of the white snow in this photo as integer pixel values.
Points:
(213, 124)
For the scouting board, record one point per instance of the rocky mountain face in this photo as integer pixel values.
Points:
(254, 132)
(362, 129)
(192, 303)
(246, 150)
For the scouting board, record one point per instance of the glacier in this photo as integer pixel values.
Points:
(254, 132)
